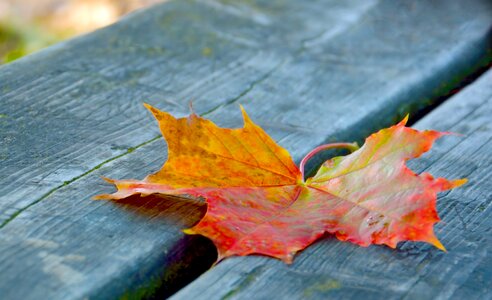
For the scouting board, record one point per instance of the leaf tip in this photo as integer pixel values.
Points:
(155, 111)
(148, 106)
(458, 182)
(443, 184)
(102, 197)
(245, 115)
(436, 243)
(404, 121)
(247, 120)
(189, 231)
(288, 259)
(112, 181)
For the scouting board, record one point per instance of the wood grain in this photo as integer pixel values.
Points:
(330, 269)
(308, 72)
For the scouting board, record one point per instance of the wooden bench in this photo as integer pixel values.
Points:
(308, 72)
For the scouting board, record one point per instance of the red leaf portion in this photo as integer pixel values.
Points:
(379, 200)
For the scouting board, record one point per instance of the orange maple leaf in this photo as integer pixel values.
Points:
(258, 201)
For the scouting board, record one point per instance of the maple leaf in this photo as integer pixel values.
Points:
(258, 201)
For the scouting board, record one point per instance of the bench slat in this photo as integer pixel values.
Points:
(330, 269)
(73, 112)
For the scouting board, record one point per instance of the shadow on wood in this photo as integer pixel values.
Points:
(190, 256)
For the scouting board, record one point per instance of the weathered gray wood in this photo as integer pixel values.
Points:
(330, 269)
(306, 71)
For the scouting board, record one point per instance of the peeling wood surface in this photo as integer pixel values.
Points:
(330, 269)
(307, 74)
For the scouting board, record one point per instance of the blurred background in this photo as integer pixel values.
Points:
(29, 25)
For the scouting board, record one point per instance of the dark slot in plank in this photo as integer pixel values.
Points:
(307, 71)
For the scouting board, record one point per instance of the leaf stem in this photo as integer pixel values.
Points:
(350, 146)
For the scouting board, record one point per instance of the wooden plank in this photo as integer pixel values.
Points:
(330, 269)
(73, 113)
